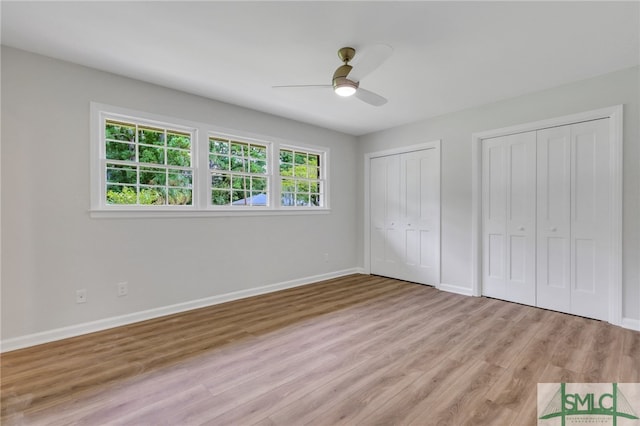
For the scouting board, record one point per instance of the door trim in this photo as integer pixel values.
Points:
(367, 207)
(614, 113)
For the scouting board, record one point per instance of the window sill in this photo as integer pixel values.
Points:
(141, 214)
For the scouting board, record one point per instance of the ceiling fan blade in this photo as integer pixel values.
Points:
(368, 59)
(370, 97)
(302, 86)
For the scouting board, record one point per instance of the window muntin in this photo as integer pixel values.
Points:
(147, 165)
(301, 180)
(239, 173)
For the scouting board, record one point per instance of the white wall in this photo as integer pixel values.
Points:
(52, 247)
(455, 130)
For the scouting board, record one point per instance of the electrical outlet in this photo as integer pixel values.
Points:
(123, 289)
(81, 295)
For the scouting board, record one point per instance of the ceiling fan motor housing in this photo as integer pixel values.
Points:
(346, 54)
(340, 75)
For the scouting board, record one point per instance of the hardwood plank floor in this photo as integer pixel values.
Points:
(354, 350)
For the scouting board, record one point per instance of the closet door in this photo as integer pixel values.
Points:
(590, 219)
(405, 216)
(386, 242)
(546, 217)
(494, 207)
(553, 242)
(509, 192)
(420, 215)
(573, 218)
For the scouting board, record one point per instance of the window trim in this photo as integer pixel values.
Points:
(201, 181)
(99, 115)
(103, 118)
(271, 147)
(323, 180)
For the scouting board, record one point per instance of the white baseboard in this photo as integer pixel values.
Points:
(465, 291)
(103, 324)
(630, 323)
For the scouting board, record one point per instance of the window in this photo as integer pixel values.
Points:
(146, 165)
(239, 174)
(300, 173)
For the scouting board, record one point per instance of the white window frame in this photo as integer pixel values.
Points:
(101, 190)
(270, 173)
(201, 181)
(323, 181)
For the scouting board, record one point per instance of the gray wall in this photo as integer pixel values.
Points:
(455, 131)
(51, 246)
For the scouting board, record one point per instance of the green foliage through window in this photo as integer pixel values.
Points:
(300, 178)
(239, 173)
(147, 165)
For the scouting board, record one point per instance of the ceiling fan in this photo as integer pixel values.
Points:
(346, 79)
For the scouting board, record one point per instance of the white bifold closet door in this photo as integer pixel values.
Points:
(509, 192)
(573, 237)
(405, 216)
(546, 215)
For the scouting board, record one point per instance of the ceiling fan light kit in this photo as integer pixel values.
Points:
(344, 87)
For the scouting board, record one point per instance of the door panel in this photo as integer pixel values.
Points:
(517, 268)
(585, 263)
(590, 233)
(413, 247)
(494, 208)
(394, 249)
(519, 157)
(584, 171)
(553, 234)
(556, 264)
(521, 194)
(509, 217)
(421, 220)
(384, 199)
(496, 181)
(496, 257)
(429, 256)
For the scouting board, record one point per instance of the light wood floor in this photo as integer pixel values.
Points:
(354, 350)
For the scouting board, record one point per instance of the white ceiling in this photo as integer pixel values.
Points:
(447, 56)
